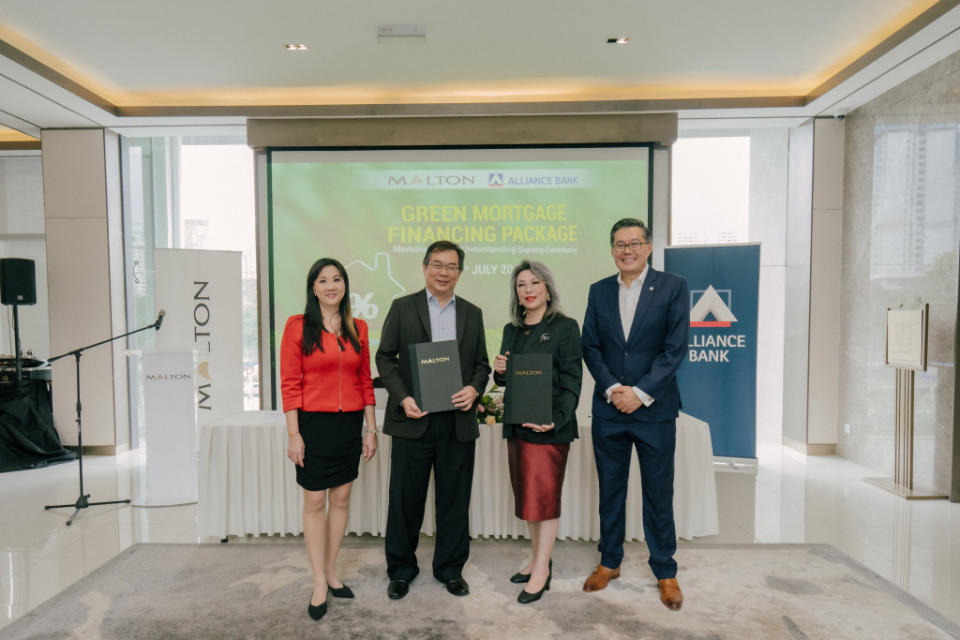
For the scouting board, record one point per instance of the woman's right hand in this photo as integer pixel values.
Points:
(295, 449)
(500, 363)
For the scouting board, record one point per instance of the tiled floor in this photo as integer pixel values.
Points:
(916, 545)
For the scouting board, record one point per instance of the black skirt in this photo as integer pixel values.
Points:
(332, 447)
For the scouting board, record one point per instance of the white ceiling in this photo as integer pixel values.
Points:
(120, 63)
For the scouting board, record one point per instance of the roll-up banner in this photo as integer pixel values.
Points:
(170, 429)
(201, 293)
(718, 382)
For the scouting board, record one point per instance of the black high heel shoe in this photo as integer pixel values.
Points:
(317, 611)
(526, 597)
(342, 592)
(520, 578)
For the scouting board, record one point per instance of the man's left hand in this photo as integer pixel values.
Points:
(464, 398)
(625, 400)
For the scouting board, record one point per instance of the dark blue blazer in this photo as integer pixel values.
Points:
(650, 357)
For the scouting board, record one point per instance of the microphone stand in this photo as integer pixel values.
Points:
(84, 500)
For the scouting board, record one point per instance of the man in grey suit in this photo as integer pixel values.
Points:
(441, 441)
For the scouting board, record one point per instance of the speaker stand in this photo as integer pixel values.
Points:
(18, 359)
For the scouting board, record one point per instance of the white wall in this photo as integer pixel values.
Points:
(768, 222)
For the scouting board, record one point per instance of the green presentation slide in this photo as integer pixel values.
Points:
(377, 212)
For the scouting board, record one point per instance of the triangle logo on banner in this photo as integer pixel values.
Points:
(710, 304)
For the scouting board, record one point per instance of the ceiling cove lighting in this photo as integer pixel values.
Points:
(295, 47)
(621, 40)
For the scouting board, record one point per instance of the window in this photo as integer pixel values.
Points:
(22, 236)
(188, 193)
(710, 191)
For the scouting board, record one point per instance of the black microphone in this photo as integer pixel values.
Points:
(156, 325)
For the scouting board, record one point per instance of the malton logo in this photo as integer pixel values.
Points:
(167, 377)
(427, 179)
(711, 304)
(495, 180)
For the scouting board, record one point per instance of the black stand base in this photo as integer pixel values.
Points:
(82, 503)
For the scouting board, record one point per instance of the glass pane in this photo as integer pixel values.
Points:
(710, 191)
(22, 236)
(217, 211)
(21, 195)
(188, 193)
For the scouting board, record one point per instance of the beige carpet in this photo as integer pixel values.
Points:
(261, 591)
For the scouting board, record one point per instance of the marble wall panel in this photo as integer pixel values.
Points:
(901, 232)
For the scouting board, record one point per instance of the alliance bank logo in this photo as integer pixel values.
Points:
(495, 180)
(711, 304)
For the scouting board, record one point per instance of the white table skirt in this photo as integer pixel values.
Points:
(247, 485)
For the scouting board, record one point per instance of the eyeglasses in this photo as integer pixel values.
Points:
(448, 268)
(620, 247)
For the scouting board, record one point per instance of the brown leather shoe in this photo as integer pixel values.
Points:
(600, 577)
(670, 594)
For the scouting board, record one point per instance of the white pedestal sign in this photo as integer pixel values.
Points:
(170, 429)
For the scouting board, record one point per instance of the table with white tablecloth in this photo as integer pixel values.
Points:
(248, 486)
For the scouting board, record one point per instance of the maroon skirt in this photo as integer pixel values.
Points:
(536, 473)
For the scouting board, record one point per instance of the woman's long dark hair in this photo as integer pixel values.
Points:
(313, 319)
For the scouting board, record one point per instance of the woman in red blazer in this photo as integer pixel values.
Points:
(327, 392)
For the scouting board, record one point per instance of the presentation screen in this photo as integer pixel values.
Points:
(377, 211)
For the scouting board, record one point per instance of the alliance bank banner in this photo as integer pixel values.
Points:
(718, 382)
(201, 292)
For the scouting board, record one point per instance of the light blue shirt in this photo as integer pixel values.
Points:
(443, 322)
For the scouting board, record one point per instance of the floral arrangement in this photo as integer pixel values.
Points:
(490, 408)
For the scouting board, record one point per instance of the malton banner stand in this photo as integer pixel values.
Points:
(906, 352)
(201, 292)
(170, 429)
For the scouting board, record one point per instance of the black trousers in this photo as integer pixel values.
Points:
(410, 465)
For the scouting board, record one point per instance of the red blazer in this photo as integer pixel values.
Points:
(330, 380)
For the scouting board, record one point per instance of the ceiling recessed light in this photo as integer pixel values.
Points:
(295, 47)
(620, 40)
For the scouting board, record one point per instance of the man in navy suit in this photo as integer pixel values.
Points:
(634, 340)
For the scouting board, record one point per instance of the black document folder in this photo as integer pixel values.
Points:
(435, 370)
(528, 396)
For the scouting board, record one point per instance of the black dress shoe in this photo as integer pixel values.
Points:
(458, 586)
(318, 611)
(397, 589)
(526, 597)
(342, 592)
(520, 578)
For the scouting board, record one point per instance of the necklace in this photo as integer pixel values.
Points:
(332, 324)
(530, 327)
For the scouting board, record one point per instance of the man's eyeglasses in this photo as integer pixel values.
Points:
(448, 268)
(620, 247)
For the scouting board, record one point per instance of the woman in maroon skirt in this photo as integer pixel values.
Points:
(537, 453)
